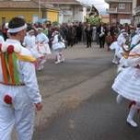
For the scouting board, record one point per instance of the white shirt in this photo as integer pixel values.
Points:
(29, 41)
(42, 38)
(27, 75)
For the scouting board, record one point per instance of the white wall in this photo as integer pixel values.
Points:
(134, 6)
(72, 14)
(77, 14)
(84, 13)
(61, 17)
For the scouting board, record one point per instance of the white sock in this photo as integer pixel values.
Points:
(131, 114)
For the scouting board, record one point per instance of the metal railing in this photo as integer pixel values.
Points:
(112, 10)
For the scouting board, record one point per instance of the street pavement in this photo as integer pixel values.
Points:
(79, 103)
(67, 85)
(80, 72)
(96, 118)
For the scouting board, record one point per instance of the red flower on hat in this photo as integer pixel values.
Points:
(8, 99)
(10, 49)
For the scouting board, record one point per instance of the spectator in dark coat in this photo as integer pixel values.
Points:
(88, 32)
(102, 32)
(71, 35)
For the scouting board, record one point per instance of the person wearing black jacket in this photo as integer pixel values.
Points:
(101, 32)
(88, 32)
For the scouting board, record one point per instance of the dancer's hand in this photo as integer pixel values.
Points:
(38, 106)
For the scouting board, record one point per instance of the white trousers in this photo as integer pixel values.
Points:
(21, 115)
(22, 119)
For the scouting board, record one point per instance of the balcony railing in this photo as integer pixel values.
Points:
(118, 1)
(116, 11)
(112, 10)
(137, 10)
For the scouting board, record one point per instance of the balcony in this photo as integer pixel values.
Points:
(137, 10)
(126, 12)
(112, 10)
(116, 11)
(108, 1)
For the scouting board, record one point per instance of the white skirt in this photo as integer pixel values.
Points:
(43, 48)
(127, 84)
(113, 46)
(58, 45)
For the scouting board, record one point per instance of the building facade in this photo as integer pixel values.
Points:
(30, 10)
(120, 11)
(136, 11)
(70, 10)
(105, 18)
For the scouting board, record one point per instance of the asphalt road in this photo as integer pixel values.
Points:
(57, 78)
(70, 83)
(96, 118)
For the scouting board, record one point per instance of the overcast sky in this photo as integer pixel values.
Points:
(99, 4)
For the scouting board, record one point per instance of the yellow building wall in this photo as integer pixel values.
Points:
(53, 15)
(8, 14)
(28, 15)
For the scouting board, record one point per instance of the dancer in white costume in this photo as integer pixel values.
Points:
(124, 61)
(134, 42)
(117, 46)
(29, 39)
(19, 93)
(42, 40)
(124, 50)
(30, 43)
(127, 83)
(135, 39)
(43, 47)
(1, 39)
(58, 45)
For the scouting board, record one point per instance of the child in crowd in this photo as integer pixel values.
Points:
(58, 45)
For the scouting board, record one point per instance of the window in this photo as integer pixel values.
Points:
(121, 6)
